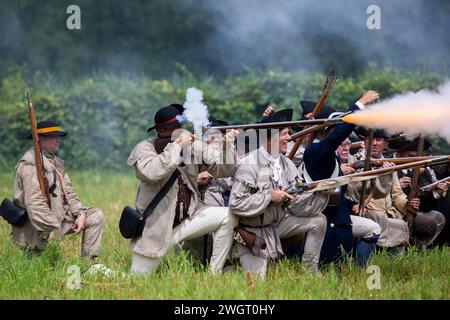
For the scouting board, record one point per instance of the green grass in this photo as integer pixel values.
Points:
(414, 275)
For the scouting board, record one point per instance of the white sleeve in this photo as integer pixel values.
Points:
(360, 105)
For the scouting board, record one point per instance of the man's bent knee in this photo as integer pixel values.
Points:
(95, 218)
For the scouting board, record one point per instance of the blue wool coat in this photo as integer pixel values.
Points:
(320, 161)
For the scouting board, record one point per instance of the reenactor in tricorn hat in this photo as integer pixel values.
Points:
(387, 203)
(267, 213)
(321, 161)
(429, 199)
(214, 192)
(66, 214)
(181, 214)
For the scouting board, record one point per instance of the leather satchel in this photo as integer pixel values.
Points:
(15, 215)
(132, 222)
(251, 240)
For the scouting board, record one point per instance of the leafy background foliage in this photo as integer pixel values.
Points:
(106, 115)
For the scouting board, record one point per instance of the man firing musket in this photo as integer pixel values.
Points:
(428, 188)
(320, 161)
(387, 203)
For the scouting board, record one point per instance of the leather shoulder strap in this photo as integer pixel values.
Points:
(161, 194)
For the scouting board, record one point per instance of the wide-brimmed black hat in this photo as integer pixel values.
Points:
(213, 122)
(48, 128)
(308, 107)
(178, 106)
(402, 144)
(279, 116)
(166, 117)
(364, 132)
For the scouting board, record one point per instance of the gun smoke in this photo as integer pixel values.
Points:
(424, 112)
(195, 111)
(313, 35)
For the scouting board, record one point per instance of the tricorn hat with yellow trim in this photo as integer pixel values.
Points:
(49, 128)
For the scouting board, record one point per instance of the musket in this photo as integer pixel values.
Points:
(329, 82)
(304, 132)
(278, 125)
(356, 145)
(332, 183)
(395, 138)
(431, 186)
(314, 128)
(362, 199)
(410, 211)
(43, 182)
(379, 162)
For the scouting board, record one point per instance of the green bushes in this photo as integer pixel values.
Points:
(106, 115)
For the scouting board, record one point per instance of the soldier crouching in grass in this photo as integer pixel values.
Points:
(267, 213)
(387, 203)
(180, 214)
(66, 214)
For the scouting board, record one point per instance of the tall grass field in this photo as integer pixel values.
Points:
(414, 275)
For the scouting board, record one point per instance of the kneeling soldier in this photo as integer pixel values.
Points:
(265, 209)
(180, 215)
(66, 214)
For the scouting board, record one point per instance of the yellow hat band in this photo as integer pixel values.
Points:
(49, 129)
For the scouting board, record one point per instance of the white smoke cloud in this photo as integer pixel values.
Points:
(290, 33)
(423, 112)
(196, 112)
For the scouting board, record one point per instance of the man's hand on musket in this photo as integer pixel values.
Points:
(405, 182)
(442, 187)
(387, 164)
(347, 169)
(280, 196)
(79, 224)
(369, 97)
(185, 138)
(355, 210)
(415, 203)
(269, 110)
(231, 135)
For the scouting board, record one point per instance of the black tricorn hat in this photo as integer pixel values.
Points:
(215, 122)
(178, 106)
(48, 128)
(364, 132)
(279, 116)
(308, 107)
(402, 144)
(166, 117)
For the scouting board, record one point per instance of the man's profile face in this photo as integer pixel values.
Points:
(50, 144)
(283, 138)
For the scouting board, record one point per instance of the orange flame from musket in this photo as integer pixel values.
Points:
(380, 119)
(413, 113)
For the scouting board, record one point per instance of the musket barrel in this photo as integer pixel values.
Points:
(43, 182)
(379, 162)
(281, 124)
(430, 186)
(409, 165)
(382, 171)
(308, 130)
